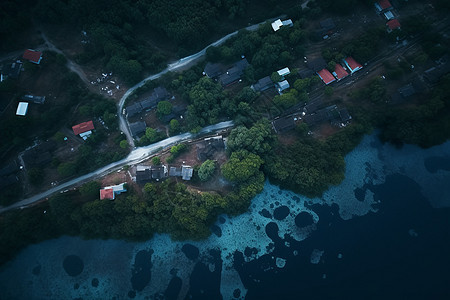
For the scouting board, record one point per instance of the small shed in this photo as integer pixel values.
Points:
(107, 194)
(34, 99)
(326, 76)
(22, 109)
(33, 56)
(137, 128)
(186, 172)
(276, 25)
(283, 72)
(263, 84)
(282, 85)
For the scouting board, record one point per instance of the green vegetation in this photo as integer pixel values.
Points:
(206, 170)
(156, 161)
(164, 108)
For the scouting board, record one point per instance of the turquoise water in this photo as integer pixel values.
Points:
(38, 273)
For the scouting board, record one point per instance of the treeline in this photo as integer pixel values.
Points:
(266, 50)
(426, 124)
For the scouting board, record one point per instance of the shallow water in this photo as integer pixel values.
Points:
(386, 215)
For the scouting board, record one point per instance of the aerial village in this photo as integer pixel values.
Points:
(149, 121)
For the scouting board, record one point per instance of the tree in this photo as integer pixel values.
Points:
(66, 169)
(242, 166)
(163, 108)
(206, 170)
(328, 91)
(276, 77)
(124, 144)
(156, 161)
(257, 139)
(174, 126)
(90, 190)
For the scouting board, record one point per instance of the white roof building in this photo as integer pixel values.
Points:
(284, 72)
(277, 24)
(22, 109)
(282, 85)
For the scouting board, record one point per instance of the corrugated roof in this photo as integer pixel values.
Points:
(107, 193)
(83, 127)
(22, 109)
(32, 56)
(340, 72)
(393, 24)
(352, 64)
(384, 4)
(326, 76)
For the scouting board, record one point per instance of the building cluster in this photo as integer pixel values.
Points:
(84, 130)
(385, 8)
(138, 128)
(110, 192)
(226, 77)
(146, 174)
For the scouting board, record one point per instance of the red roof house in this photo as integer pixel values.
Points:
(393, 24)
(383, 5)
(33, 56)
(326, 76)
(107, 193)
(83, 127)
(340, 72)
(352, 64)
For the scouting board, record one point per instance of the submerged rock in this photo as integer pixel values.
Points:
(281, 212)
(141, 273)
(190, 251)
(36, 270)
(304, 219)
(265, 213)
(73, 265)
(94, 282)
(281, 262)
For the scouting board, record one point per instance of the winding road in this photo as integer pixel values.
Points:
(141, 153)
(136, 156)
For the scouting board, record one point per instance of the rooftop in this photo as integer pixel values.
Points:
(340, 72)
(263, 84)
(33, 56)
(283, 124)
(352, 64)
(393, 24)
(107, 194)
(83, 127)
(22, 109)
(284, 71)
(137, 128)
(384, 4)
(326, 76)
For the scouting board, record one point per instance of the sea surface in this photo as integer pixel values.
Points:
(383, 233)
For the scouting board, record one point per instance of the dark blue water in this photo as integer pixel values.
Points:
(384, 233)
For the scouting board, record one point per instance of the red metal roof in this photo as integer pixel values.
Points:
(352, 64)
(33, 56)
(326, 76)
(83, 127)
(393, 24)
(384, 4)
(106, 194)
(340, 72)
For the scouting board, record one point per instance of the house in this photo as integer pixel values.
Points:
(175, 171)
(345, 115)
(107, 194)
(327, 24)
(11, 71)
(383, 5)
(277, 24)
(262, 84)
(34, 99)
(282, 85)
(209, 146)
(137, 128)
(392, 25)
(352, 64)
(213, 70)
(316, 64)
(283, 124)
(389, 15)
(233, 74)
(339, 72)
(329, 113)
(186, 172)
(110, 192)
(22, 109)
(326, 76)
(159, 172)
(284, 72)
(143, 174)
(133, 109)
(83, 129)
(160, 93)
(433, 75)
(33, 56)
